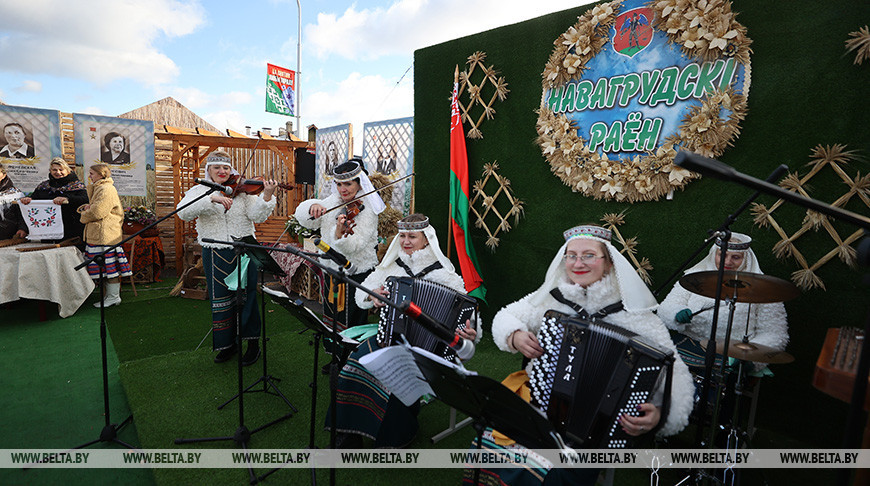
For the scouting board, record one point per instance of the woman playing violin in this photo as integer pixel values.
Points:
(351, 230)
(221, 217)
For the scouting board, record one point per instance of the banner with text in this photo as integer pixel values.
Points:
(29, 139)
(280, 90)
(126, 145)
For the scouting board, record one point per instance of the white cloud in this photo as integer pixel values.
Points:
(359, 99)
(29, 86)
(196, 99)
(407, 25)
(233, 120)
(94, 110)
(104, 41)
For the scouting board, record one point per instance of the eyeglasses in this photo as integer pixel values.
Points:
(585, 258)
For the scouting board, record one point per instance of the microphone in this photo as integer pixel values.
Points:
(214, 185)
(704, 165)
(463, 348)
(335, 256)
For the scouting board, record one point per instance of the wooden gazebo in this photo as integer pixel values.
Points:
(263, 155)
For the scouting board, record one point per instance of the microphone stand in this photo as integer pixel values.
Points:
(724, 233)
(406, 307)
(719, 170)
(109, 432)
(242, 435)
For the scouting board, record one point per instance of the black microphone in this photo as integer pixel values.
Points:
(214, 185)
(704, 165)
(335, 256)
(463, 348)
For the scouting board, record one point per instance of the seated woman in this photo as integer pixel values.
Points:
(365, 407)
(11, 223)
(588, 275)
(691, 315)
(355, 237)
(64, 188)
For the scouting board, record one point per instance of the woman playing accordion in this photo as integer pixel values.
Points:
(590, 278)
(365, 407)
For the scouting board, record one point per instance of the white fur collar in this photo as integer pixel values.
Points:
(420, 259)
(594, 297)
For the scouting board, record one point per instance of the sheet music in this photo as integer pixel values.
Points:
(395, 367)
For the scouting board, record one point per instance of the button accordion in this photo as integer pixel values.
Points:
(592, 372)
(446, 306)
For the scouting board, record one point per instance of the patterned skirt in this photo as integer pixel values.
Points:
(218, 264)
(339, 302)
(116, 262)
(365, 407)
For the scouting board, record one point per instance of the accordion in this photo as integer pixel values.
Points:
(447, 306)
(592, 372)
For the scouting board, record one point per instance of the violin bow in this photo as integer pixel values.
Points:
(366, 194)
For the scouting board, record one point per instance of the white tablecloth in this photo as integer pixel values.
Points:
(44, 275)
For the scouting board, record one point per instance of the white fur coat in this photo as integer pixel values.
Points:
(215, 223)
(521, 315)
(768, 323)
(360, 248)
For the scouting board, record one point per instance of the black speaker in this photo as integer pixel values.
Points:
(304, 166)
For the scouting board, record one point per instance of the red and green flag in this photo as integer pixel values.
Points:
(459, 202)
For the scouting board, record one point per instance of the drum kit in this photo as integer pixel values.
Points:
(738, 287)
(750, 288)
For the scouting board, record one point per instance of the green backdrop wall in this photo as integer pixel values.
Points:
(805, 91)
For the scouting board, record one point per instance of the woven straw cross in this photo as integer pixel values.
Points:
(476, 92)
(629, 246)
(834, 157)
(487, 204)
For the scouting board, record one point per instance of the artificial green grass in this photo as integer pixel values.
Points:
(53, 393)
(173, 392)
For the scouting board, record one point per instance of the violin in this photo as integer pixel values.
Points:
(350, 211)
(250, 186)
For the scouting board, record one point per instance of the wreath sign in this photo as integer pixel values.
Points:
(705, 32)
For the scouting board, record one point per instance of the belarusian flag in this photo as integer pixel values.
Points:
(459, 200)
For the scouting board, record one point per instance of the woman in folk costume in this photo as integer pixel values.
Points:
(588, 276)
(64, 188)
(351, 231)
(365, 407)
(692, 314)
(223, 218)
(103, 218)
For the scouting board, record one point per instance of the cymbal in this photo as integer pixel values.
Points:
(747, 351)
(741, 286)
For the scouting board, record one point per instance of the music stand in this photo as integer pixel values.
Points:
(311, 322)
(265, 263)
(490, 404)
(242, 434)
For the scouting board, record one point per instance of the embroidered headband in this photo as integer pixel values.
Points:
(348, 175)
(589, 231)
(215, 159)
(738, 242)
(408, 226)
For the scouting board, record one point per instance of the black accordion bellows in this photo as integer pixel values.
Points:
(593, 373)
(444, 304)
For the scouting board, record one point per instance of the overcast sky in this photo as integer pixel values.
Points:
(108, 57)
